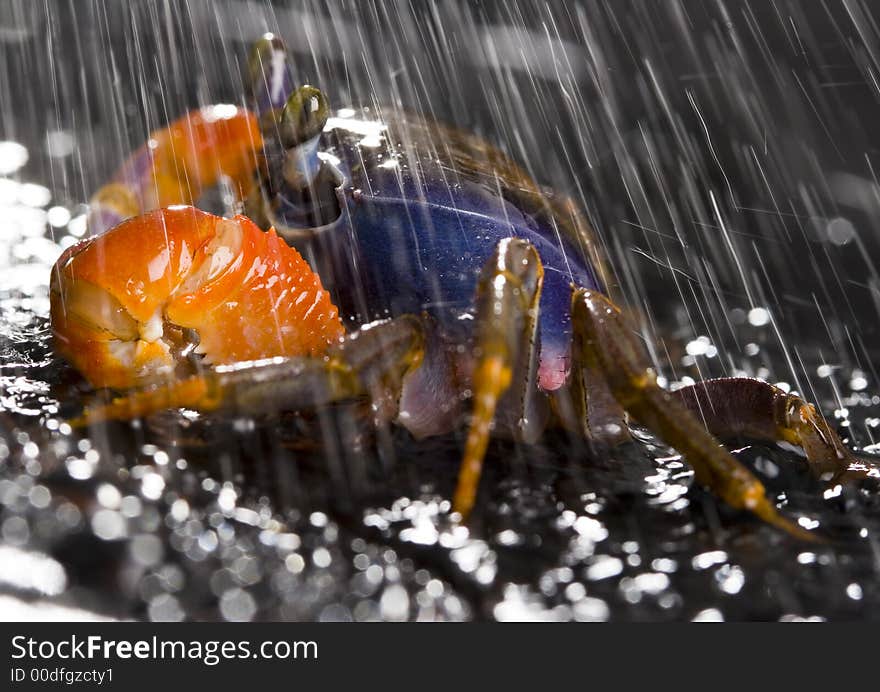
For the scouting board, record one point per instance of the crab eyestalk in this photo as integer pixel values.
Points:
(269, 74)
(304, 115)
(302, 120)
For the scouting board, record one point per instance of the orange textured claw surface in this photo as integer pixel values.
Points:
(141, 261)
(102, 360)
(270, 294)
(245, 292)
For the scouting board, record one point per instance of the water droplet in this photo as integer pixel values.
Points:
(152, 486)
(840, 230)
(394, 603)
(58, 217)
(33, 195)
(146, 550)
(59, 144)
(603, 567)
(109, 525)
(15, 531)
(165, 608)
(237, 605)
(322, 558)
(759, 317)
(12, 157)
(854, 591)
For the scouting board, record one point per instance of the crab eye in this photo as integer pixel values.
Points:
(304, 115)
(262, 57)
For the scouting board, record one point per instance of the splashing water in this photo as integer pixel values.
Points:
(726, 156)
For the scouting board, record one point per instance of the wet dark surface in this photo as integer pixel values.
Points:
(726, 156)
(221, 518)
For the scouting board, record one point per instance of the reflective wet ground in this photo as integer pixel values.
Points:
(316, 516)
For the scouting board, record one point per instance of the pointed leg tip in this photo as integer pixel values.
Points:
(88, 417)
(459, 518)
(77, 423)
(462, 505)
(769, 514)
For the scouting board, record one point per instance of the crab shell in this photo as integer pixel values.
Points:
(121, 301)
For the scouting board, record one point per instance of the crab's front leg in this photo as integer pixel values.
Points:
(504, 381)
(371, 362)
(606, 344)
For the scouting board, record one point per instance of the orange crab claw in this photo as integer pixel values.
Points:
(127, 305)
(179, 162)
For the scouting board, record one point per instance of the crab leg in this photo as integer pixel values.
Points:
(587, 405)
(372, 361)
(505, 374)
(739, 406)
(608, 345)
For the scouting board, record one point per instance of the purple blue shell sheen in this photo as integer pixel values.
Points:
(413, 235)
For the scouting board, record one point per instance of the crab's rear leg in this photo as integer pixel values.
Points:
(745, 407)
(373, 361)
(607, 345)
(504, 380)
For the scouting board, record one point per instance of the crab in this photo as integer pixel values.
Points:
(439, 281)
